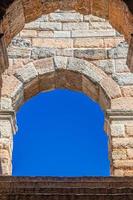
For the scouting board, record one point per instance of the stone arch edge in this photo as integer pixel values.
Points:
(60, 72)
(20, 12)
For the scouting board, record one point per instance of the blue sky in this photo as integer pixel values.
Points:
(60, 134)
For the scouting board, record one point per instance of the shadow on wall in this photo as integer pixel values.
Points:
(60, 134)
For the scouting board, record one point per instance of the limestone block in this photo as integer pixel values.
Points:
(127, 91)
(118, 172)
(92, 33)
(122, 103)
(123, 78)
(121, 66)
(44, 66)
(45, 34)
(118, 52)
(64, 52)
(60, 62)
(21, 42)
(52, 43)
(91, 54)
(62, 34)
(16, 52)
(28, 33)
(39, 53)
(5, 103)
(90, 89)
(75, 26)
(117, 130)
(87, 69)
(122, 143)
(32, 25)
(119, 154)
(123, 164)
(88, 43)
(66, 17)
(110, 87)
(50, 26)
(27, 73)
(107, 66)
(101, 25)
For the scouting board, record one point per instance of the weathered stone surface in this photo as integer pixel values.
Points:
(123, 78)
(39, 53)
(52, 43)
(122, 103)
(42, 57)
(117, 130)
(111, 88)
(118, 52)
(90, 54)
(66, 17)
(44, 66)
(27, 73)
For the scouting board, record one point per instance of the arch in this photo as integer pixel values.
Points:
(20, 12)
(60, 72)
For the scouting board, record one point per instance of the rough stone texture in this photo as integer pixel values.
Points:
(20, 12)
(59, 34)
(78, 52)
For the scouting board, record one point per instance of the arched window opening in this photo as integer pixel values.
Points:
(60, 134)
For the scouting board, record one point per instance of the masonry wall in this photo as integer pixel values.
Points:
(70, 34)
(82, 52)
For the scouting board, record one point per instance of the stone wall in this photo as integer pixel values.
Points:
(70, 34)
(66, 49)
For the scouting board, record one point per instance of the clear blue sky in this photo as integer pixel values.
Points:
(60, 134)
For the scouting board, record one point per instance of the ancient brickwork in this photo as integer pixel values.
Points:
(66, 49)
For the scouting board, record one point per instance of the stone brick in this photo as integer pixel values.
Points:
(66, 17)
(60, 62)
(52, 43)
(122, 103)
(64, 52)
(13, 90)
(106, 65)
(92, 33)
(62, 34)
(117, 130)
(28, 33)
(44, 66)
(16, 52)
(122, 142)
(90, 54)
(50, 26)
(75, 26)
(121, 66)
(39, 53)
(27, 73)
(123, 164)
(118, 52)
(45, 34)
(5, 103)
(88, 43)
(111, 88)
(123, 78)
(101, 25)
(119, 154)
(127, 91)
